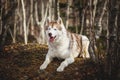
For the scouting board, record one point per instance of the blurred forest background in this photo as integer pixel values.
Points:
(22, 21)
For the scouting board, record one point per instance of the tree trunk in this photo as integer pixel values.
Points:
(92, 31)
(58, 9)
(112, 45)
(100, 20)
(83, 21)
(15, 29)
(1, 19)
(44, 16)
(24, 22)
(31, 17)
(50, 10)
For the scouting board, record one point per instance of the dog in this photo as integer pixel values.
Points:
(63, 44)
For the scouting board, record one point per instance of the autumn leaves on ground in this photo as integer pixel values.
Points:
(22, 62)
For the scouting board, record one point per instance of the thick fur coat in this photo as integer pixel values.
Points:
(63, 44)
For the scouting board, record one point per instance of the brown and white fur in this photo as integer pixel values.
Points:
(63, 44)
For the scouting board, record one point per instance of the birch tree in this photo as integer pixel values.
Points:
(67, 13)
(41, 37)
(83, 21)
(100, 19)
(90, 30)
(24, 22)
(13, 32)
(31, 17)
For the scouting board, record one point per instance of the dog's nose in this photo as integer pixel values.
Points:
(50, 34)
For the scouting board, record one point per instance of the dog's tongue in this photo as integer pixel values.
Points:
(51, 39)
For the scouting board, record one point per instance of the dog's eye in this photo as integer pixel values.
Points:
(55, 29)
(48, 28)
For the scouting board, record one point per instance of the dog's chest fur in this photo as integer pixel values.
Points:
(60, 49)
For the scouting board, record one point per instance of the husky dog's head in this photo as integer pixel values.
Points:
(54, 29)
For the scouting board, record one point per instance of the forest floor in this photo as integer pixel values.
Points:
(22, 62)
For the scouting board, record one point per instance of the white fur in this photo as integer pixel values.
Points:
(60, 48)
(85, 44)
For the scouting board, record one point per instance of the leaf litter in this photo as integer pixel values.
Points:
(22, 62)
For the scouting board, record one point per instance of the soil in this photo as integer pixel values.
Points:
(22, 62)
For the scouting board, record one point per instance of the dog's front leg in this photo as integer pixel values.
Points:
(48, 59)
(65, 63)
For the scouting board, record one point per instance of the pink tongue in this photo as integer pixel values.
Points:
(51, 39)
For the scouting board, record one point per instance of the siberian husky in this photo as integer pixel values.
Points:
(63, 44)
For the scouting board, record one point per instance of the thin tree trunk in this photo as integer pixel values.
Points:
(76, 24)
(15, 32)
(94, 10)
(24, 22)
(19, 11)
(58, 9)
(100, 19)
(92, 32)
(83, 19)
(68, 13)
(38, 23)
(42, 24)
(36, 14)
(41, 37)
(31, 17)
(55, 10)
(50, 10)
(1, 20)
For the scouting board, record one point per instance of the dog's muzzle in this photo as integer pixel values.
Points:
(51, 38)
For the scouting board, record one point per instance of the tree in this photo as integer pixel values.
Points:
(24, 22)
(112, 39)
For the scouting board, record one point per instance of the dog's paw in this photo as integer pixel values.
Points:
(60, 69)
(42, 67)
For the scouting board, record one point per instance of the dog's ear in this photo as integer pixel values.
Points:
(59, 21)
